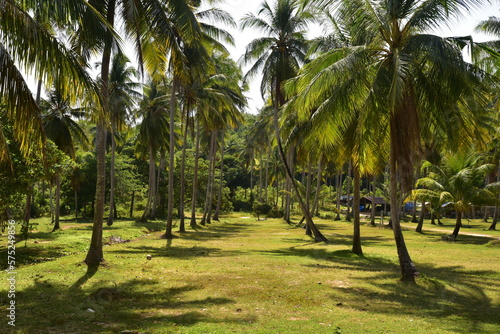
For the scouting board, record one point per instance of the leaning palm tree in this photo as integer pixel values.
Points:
(278, 57)
(401, 78)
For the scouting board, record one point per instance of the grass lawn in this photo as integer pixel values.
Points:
(246, 276)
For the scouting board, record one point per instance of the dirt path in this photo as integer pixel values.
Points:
(449, 232)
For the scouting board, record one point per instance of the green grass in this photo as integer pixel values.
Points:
(244, 276)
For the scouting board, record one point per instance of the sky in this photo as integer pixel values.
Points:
(238, 8)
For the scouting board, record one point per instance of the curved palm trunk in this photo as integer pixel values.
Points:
(318, 236)
(95, 254)
(408, 269)
(171, 163)
(58, 203)
(195, 177)
(356, 238)
(458, 224)
(112, 182)
(421, 219)
(221, 184)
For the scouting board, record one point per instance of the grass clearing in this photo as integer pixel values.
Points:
(246, 276)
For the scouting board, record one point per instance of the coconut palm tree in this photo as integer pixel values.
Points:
(278, 57)
(152, 136)
(149, 24)
(122, 94)
(459, 180)
(64, 131)
(29, 45)
(400, 78)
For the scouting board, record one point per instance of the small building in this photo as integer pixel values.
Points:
(366, 203)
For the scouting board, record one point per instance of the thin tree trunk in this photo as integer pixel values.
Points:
(260, 176)
(27, 207)
(348, 178)
(76, 205)
(458, 224)
(148, 211)
(195, 177)
(58, 203)
(266, 183)
(374, 204)
(171, 163)
(338, 184)
(421, 219)
(132, 204)
(356, 238)
(408, 269)
(211, 166)
(318, 189)
(112, 181)
(221, 183)
(318, 236)
(182, 226)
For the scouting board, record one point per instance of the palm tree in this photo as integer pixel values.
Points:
(122, 93)
(64, 131)
(30, 46)
(400, 78)
(152, 137)
(149, 24)
(459, 180)
(279, 56)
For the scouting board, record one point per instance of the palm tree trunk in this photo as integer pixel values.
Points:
(95, 254)
(132, 204)
(348, 178)
(374, 203)
(171, 163)
(421, 219)
(112, 181)
(260, 176)
(318, 189)
(318, 236)
(182, 226)
(221, 183)
(76, 205)
(266, 183)
(338, 185)
(58, 203)
(151, 185)
(408, 269)
(458, 224)
(195, 177)
(211, 164)
(356, 238)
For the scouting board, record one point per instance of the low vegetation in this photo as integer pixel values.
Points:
(241, 275)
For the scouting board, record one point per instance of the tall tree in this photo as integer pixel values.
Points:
(400, 78)
(64, 131)
(122, 94)
(278, 56)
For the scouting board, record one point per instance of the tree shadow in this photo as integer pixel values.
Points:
(444, 293)
(137, 305)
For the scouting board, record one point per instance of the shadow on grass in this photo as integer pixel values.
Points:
(138, 305)
(449, 294)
